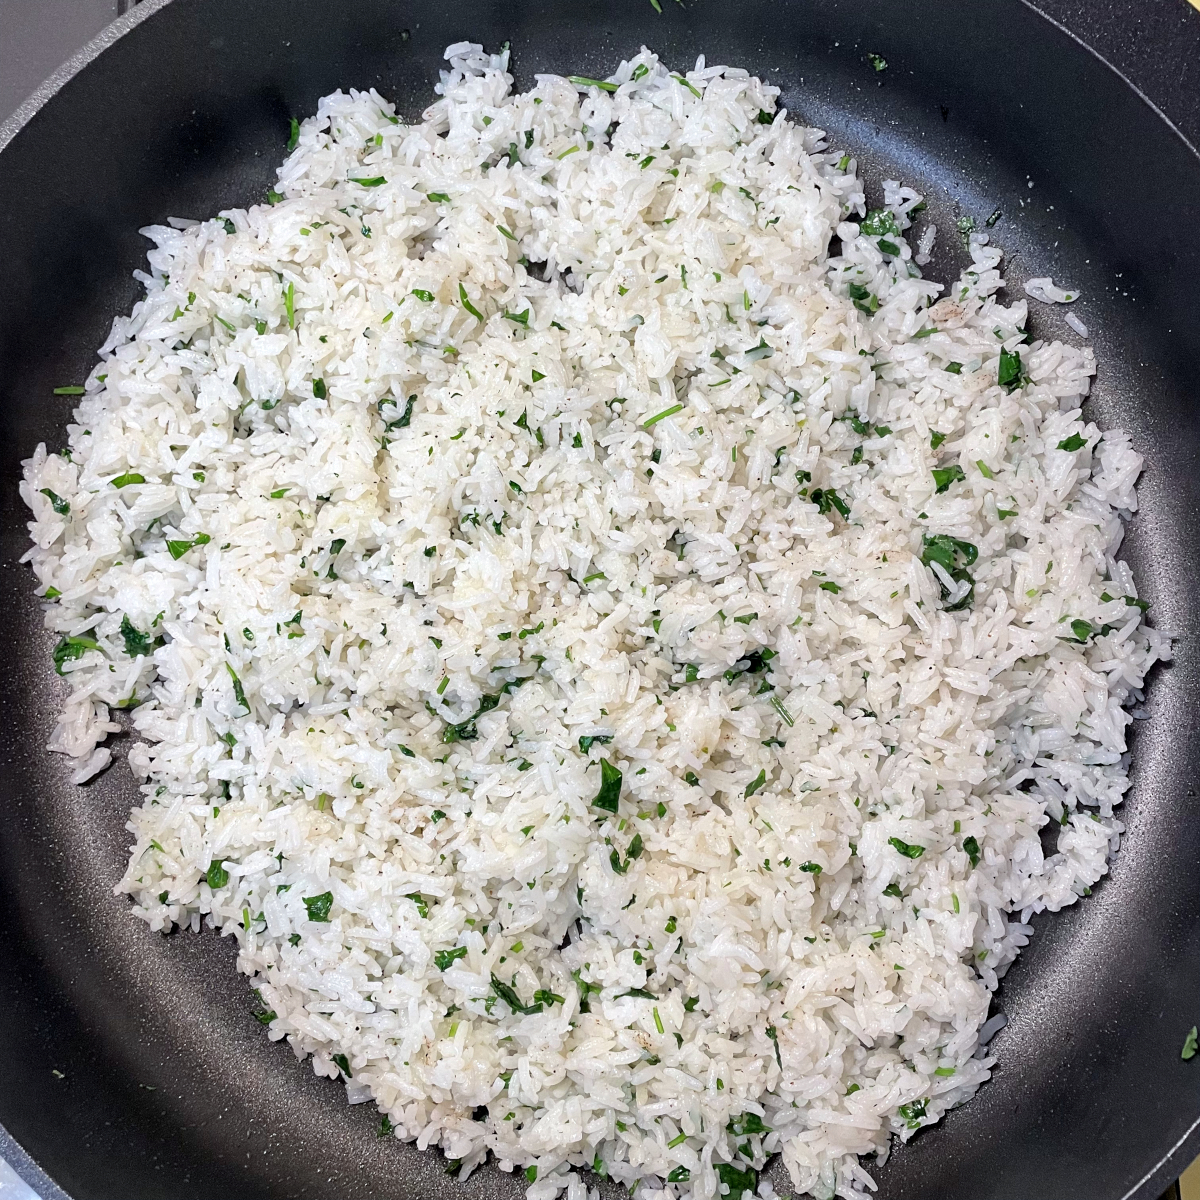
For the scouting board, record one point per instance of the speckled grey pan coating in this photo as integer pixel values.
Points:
(132, 1065)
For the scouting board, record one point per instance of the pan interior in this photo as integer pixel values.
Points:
(134, 1066)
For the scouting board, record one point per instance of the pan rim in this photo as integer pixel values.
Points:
(1173, 1159)
(1033, 8)
(53, 84)
(27, 1168)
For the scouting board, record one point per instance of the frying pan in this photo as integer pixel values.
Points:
(132, 1066)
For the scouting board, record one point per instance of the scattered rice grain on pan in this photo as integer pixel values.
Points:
(606, 661)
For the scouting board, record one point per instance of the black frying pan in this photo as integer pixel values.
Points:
(131, 1064)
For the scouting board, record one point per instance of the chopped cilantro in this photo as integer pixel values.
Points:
(748, 1125)
(1010, 374)
(466, 303)
(443, 958)
(739, 1182)
(666, 412)
(137, 644)
(609, 796)
(177, 549)
(239, 692)
(756, 784)
(70, 648)
(583, 82)
(943, 477)
(954, 556)
(826, 499)
(509, 996)
(57, 503)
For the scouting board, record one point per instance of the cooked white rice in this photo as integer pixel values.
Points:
(693, 497)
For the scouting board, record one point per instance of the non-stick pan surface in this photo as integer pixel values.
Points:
(131, 1064)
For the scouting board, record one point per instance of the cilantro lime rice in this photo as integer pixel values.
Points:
(606, 656)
